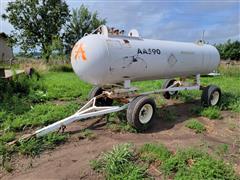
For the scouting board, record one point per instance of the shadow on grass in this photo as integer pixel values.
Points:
(168, 116)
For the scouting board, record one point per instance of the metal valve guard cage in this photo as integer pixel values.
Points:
(91, 110)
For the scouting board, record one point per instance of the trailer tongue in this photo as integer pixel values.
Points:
(88, 110)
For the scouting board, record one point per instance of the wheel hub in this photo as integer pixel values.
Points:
(215, 98)
(145, 113)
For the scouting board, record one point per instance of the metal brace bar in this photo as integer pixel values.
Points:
(85, 112)
(197, 87)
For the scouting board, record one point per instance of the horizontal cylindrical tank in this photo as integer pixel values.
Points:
(103, 59)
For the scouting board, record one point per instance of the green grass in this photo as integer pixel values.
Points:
(35, 146)
(32, 147)
(197, 126)
(116, 122)
(65, 86)
(61, 68)
(119, 164)
(7, 136)
(30, 103)
(211, 113)
(222, 149)
(40, 115)
(124, 162)
(154, 152)
(196, 164)
(27, 103)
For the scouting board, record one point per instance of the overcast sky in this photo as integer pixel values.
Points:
(169, 20)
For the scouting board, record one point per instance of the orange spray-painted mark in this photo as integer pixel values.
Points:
(78, 50)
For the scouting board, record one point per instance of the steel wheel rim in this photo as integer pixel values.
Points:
(215, 98)
(171, 92)
(145, 114)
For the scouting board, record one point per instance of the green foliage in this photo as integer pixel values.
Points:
(116, 122)
(53, 139)
(195, 125)
(154, 152)
(5, 156)
(61, 68)
(222, 149)
(30, 147)
(189, 96)
(57, 48)
(229, 71)
(211, 112)
(35, 146)
(231, 102)
(123, 163)
(17, 95)
(229, 50)
(20, 85)
(7, 137)
(119, 164)
(82, 21)
(38, 96)
(36, 22)
(195, 164)
(39, 115)
(65, 86)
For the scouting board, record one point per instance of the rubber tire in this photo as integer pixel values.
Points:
(165, 85)
(104, 101)
(207, 95)
(134, 109)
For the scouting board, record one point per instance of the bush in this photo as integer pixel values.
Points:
(229, 50)
(61, 68)
(17, 94)
(230, 102)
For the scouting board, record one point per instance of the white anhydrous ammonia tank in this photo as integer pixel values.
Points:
(106, 59)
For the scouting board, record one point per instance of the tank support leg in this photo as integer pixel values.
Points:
(127, 84)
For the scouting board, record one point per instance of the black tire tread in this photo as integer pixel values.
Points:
(206, 95)
(101, 101)
(165, 85)
(133, 109)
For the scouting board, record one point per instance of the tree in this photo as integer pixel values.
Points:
(229, 50)
(82, 21)
(36, 23)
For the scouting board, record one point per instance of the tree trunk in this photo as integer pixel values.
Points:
(46, 53)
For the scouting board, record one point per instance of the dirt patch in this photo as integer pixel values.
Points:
(72, 160)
